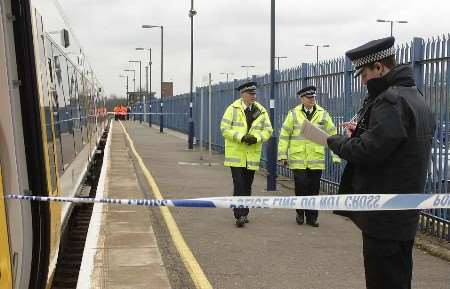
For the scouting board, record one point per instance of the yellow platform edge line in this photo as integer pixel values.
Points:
(193, 267)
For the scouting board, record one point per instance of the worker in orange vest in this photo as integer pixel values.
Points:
(116, 112)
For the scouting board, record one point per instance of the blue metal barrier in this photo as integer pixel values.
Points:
(341, 95)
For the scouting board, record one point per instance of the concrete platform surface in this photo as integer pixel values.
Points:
(272, 251)
(125, 253)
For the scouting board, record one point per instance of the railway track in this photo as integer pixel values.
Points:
(74, 237)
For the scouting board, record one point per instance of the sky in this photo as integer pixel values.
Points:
(232, 33)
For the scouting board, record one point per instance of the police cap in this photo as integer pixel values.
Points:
(248, 87)
(371, 52)
(309, 91)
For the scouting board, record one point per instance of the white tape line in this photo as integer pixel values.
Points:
(365, 202)
(156, 113)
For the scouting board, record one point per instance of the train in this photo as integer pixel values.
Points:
(52, 117)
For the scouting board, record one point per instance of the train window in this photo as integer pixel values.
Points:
(65, 122)
(75, 108)
(45, 65)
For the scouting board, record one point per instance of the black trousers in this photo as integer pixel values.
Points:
(388, 264)
(307, 183)
(242, 184)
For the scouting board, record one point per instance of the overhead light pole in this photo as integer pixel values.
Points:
(317, 50)
(134, 83)
(247, 67)
(392, 22)
(192, 13)
(125, 76)
(140, 82)
(148, 82)
(272, 143)
(227, 73)
(161, 118)
(278, 60)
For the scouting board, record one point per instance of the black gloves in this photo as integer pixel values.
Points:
(249, 139)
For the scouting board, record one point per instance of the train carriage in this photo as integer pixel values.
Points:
(52, 115)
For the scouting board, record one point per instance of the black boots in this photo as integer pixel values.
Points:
(301, 220)
(241, 221)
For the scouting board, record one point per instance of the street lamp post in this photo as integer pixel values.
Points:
(148, 84)
(227, 73)
(278, 60)
(272, 143)
(392, 22)
(134, 84)
(192, 13)
(140, 82)
(125, 76)
(317, 50)
(161, 119)
(247, 67)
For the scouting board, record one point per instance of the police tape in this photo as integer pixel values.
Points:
(151, 113)
(357, 202)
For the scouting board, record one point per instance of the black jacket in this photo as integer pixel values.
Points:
(388, 153)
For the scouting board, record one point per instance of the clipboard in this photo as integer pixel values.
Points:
(313, 133)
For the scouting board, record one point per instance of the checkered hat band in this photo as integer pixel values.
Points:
(371, 58)
(248, 88)
(309, 92)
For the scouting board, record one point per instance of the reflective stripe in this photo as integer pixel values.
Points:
(315, 161)
(285, 137)
(321, 126)
(296, 161)
(235, 136)
(297, 137)
(331, 130)
(253, 163)
(234, 115)
(233, 160)
(238, 124)
(227, 121)
(260, 127)
(294, 118)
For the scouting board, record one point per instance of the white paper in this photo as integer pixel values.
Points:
(313, 133)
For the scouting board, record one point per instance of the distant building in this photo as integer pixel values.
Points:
(167, 89)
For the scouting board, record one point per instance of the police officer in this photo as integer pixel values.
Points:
(305, 158)
(388, 150)
(245, 126)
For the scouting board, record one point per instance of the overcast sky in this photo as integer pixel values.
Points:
(231, 33)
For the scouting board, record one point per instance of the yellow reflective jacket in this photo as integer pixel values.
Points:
(302, 153)
(234, 126)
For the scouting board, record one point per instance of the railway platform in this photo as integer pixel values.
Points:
(137, 247)
(121, 250)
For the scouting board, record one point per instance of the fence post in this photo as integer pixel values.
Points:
(304, 74)
(348, 99)
(417, 66)
(161, 117)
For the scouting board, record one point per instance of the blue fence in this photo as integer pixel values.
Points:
(341, 95)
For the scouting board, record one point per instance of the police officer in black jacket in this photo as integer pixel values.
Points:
(387, 149)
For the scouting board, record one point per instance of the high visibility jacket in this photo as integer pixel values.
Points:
(122, 110)
(234, 127)
(302, 153)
